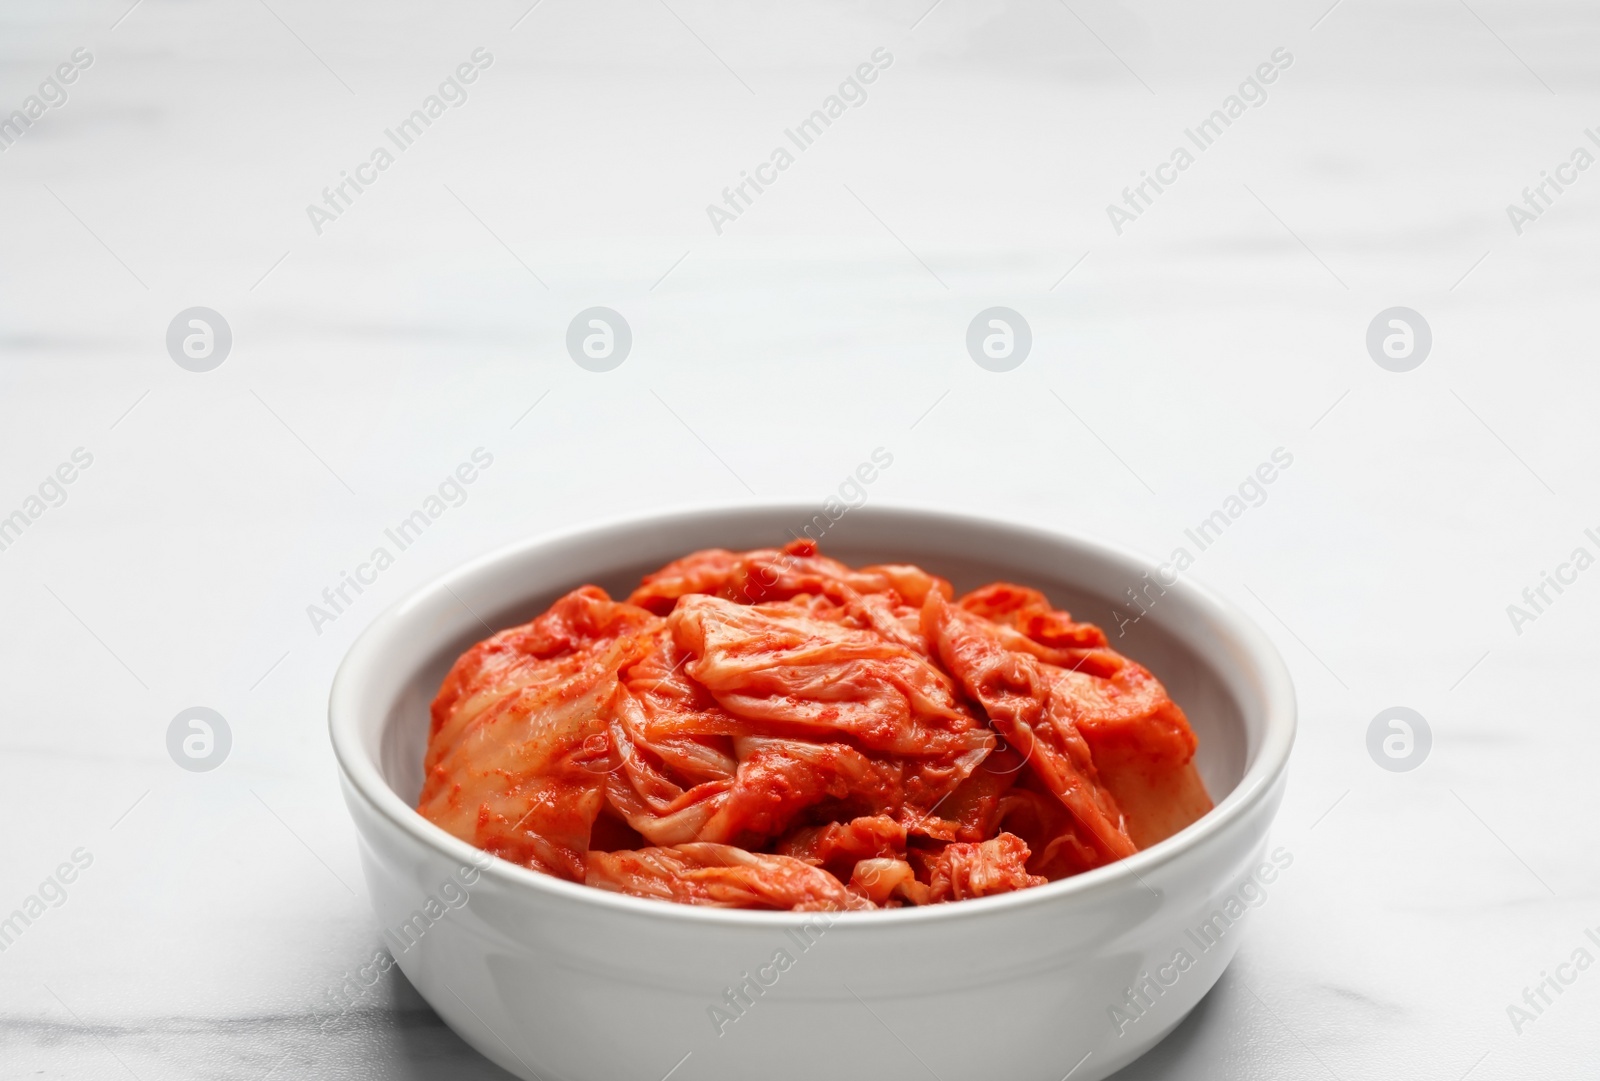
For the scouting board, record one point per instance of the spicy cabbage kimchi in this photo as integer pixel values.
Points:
(774, 729)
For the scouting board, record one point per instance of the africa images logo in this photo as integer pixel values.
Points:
(52, 492)
(452, 93)
(1251, 94)
(451, 492)
(52, 94)
(851, 94)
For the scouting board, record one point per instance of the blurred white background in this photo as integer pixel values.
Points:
(221, 909)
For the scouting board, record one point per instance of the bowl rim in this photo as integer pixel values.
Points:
(363, 661)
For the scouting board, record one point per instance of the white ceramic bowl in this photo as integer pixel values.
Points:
(557, 981)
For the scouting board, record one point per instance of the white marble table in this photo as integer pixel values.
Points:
(212, 914)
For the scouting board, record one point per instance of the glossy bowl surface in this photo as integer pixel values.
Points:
(558, 981)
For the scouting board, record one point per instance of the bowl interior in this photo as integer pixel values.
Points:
(1186, 638)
